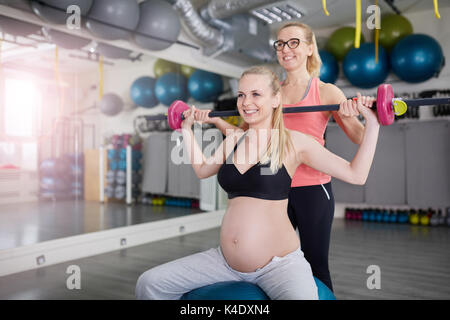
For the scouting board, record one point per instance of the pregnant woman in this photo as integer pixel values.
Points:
(257, 241)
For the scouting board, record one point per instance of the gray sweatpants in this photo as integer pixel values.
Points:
(283, 278)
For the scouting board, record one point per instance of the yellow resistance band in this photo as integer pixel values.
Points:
(358, 24)
(58, 83)
(100, 71)
(436, 9)
(324, 5)
(377, 36)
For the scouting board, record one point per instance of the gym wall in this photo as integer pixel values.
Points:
(118, 79)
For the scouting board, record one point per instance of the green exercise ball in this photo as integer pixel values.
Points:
(187, 70)
(161, 67)
(393, 28)
(341, 41)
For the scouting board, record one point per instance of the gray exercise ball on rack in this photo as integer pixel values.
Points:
(159, 25)
(113, 19)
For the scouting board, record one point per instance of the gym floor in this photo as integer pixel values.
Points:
(34, 222)
(413, 260)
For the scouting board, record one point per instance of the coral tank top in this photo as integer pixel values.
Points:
(313, 124)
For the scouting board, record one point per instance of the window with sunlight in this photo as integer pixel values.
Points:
(22, 101)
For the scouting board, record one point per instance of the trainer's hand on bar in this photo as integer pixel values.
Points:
(348, 109)
(189, 118)
(364, 105)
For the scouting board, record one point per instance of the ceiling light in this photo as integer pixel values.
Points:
(277, 12)
(261, 16)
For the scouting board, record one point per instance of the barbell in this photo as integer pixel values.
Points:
(386, 105)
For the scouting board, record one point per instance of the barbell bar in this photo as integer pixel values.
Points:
(386, 106)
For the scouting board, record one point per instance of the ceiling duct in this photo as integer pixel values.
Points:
(226, 27)
(202, 31)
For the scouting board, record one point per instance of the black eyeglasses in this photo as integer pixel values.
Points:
(291, 43)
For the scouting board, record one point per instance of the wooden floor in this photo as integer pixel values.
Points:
(414, 263)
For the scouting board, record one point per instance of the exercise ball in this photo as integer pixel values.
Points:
(55, 11)
(142, 92)
(416, 58)
(111, 104)
(241, 290)
(16, 27)
(48, 167)
(158, 27)
(362, 70)
(55, 183)
(393, 28)
(341, 41)
(66, 41)
(112, 52)
(186, 71)
(170, 87)
(228, 290)
(113, 19)
(161, 67)
(205, 86)
(329, 70)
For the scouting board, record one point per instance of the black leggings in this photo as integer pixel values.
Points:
(311, 210)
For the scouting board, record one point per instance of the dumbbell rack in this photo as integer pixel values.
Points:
(128, 170)
(422, 217)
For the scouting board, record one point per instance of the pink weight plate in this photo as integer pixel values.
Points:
(174, 114)
(385, 109)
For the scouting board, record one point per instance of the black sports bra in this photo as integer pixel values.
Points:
(255, 182)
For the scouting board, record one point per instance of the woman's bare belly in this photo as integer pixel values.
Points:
(254, 231)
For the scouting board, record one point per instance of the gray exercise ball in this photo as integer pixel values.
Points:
(111, 104)
(158, 20)
(67, 41)
(55, 11)
(16, 27)
(113, 19)
(112, 52)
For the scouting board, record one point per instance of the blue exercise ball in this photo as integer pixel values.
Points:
(142, 92)
(205, 86)
(170, 87)
(159, 25)
(113, 19)
(228, 290)
(241, 290)
(55, 11)
(361, 68)
(329, 70)
(417, 58)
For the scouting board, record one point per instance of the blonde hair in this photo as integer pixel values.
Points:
(280, 142)
(314, 62)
